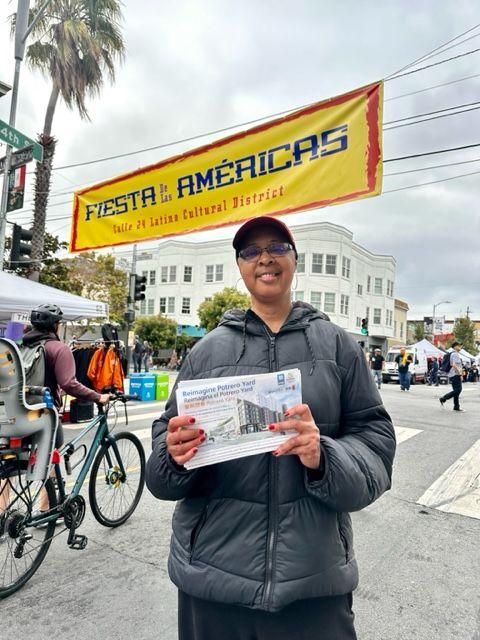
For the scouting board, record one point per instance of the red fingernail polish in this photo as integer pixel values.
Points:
(271, 427)
(191, 420)
(202, 439)
(195, 450)
(286, 414)
(201, 432)
(275, 453)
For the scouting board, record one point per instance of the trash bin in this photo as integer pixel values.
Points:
(143, 385)
(162, 380)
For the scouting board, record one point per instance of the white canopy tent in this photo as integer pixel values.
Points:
(18, 296)
(430, 349)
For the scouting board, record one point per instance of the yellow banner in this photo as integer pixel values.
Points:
(326, 153)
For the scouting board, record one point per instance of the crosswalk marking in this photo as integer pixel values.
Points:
(405, 433)
(457, 490)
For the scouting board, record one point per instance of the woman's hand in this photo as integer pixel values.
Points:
(183, 439)
(306, 445)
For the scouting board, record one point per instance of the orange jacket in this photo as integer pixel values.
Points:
(105, 370)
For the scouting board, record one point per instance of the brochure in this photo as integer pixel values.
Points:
(235, 413)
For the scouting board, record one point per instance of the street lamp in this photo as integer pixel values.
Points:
(433, 315)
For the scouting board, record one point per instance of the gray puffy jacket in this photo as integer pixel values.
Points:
(260, 531)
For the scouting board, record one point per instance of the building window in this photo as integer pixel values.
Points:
(317, 263)
(301, 263)
(209, 273)
(208, 298)
(143, 307)
(145, 275)
(390, 288)
(298, 295)
(218, 272)
(187, 274)
(358, 322)
(401, 329)
(164, 274)
(360, 289)
(329, 303)
(163, 305)
(212, 270)
(369, 284)
(395, 328)
(346, 267)
(344, 300)
(152, 277)
(377, 316)
(171, 305)
(378, 286)
(173, 274)
(367, 313)
(389, 315)
(150, 307)
(186, 305)
(316, 299)
(331, 265)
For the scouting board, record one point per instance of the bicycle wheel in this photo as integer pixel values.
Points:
(114, 496)
(22, 546)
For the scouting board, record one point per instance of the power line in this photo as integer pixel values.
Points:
(435, 166)
(432, 153)
(434, 86)
(431, 113)
(424, 184)
(434, 64)
(411, 64)
(444, 115)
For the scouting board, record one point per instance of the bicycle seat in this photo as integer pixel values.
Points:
(19, 419)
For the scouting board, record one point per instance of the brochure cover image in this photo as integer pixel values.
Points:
(235, 413)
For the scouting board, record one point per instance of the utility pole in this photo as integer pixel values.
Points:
(468, 312)
(22, 31)
(130, 315)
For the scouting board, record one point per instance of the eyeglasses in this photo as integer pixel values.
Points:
(274, 249)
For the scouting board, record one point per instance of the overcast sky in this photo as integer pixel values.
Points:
(194, 67)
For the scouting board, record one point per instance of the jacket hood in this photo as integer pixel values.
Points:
(36, 335)
(299, 317)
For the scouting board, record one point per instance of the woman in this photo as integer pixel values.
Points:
(147, 355)
(262, 546)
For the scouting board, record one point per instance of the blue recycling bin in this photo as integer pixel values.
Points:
(143, 385)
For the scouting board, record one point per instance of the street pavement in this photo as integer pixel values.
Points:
(417, 547)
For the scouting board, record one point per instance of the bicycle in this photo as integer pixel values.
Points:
(116, 483)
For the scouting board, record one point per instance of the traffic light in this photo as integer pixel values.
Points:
(364, 328)
(21, 246)
(137, 287)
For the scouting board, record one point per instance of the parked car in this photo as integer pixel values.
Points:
(418, 369)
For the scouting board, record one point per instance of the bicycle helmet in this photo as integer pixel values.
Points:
(46, 316)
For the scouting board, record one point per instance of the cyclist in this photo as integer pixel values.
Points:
(59, 370)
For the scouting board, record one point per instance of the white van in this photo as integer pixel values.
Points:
(418, 368)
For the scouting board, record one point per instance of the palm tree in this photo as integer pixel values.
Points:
(77, 41)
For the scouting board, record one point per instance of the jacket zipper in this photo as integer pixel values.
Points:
(272, 477)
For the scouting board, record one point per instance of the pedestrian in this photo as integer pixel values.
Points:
(147, 355)
(262, 546)
(455, 378)
(433, 376)
(404, 360)
(377, 365)
(137, 355)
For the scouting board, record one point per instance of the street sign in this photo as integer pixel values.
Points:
(18, 158)
(19, 140)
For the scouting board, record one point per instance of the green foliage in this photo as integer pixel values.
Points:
(464, 332)
(160, 332)
(211, 311)
(419, 333)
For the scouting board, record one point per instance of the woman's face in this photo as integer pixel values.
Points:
(268, 278)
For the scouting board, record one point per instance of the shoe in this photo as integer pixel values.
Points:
(461, 410)
(3, 539)
(442, 402)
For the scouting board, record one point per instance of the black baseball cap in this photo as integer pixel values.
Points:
(263, 221)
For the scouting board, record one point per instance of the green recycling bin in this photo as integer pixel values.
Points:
(161, 385)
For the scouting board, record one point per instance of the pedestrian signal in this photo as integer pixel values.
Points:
(364, 328)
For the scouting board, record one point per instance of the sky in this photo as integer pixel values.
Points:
(191, 68)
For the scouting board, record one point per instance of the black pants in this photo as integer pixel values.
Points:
(456, 382)
(317, 619)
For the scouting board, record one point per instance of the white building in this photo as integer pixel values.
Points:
(334, 274)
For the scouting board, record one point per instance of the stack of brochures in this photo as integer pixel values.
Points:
(235, 413)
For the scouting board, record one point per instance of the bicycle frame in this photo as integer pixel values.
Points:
(102, 436)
